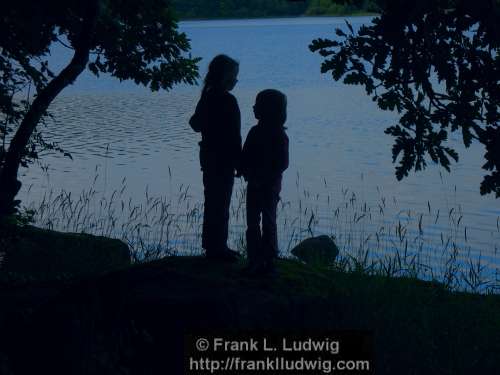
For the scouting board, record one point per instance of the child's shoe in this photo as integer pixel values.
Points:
(268, 268)
(262, 268)
(223, 255)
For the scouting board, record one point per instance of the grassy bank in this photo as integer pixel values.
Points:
(134, 320)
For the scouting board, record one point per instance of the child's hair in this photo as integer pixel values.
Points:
(270, 106)
(219, 67)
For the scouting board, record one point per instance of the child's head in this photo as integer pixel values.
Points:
(270, 107)
(222, 73)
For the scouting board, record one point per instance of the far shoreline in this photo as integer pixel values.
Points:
(367, 14)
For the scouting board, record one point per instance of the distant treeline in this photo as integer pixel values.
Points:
(186, 9)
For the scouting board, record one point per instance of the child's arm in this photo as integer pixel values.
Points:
(283, 157)
(236, 152)
(196, 121)
(243, 170)
(247, 154)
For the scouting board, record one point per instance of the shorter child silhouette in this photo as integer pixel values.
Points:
(264, 159)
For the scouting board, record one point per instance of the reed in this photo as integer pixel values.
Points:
(370, 239)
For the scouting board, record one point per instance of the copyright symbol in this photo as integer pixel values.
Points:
(202, 345)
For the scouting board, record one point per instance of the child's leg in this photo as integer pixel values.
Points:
(269, 227)
(253, 234)
(217, 191)
(208, 242)
(226, 190)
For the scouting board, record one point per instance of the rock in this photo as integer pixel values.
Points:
(47, 254)
(318, 251)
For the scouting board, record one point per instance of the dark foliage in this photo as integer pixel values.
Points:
(435, 62)
(130, 40)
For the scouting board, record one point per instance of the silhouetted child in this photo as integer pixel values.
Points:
(217, 117)
(264, 159)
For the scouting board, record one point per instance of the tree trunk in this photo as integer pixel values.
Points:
(9, 185)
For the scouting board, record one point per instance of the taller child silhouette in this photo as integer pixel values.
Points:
(217, 117)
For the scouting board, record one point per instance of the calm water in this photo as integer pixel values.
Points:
(339, 154)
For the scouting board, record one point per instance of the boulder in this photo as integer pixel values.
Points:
(42, 253)
(319, 251)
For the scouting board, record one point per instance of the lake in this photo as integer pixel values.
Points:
(133, 148)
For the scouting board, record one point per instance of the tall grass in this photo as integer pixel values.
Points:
(430, 245)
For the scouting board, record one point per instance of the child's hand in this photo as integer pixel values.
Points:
(240, 174)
